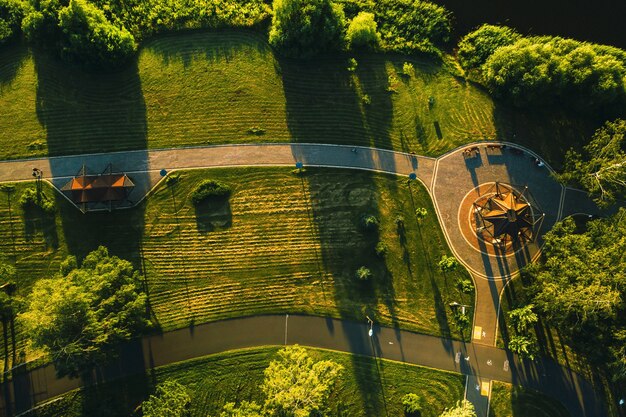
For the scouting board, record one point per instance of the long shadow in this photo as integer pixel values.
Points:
(325, 104)
(12, 58)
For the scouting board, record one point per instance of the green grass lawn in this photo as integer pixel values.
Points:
(282, 243)
(212, 87)
(512, 401)
(366, 388)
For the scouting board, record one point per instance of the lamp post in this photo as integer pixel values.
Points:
(371, 330)
(38, 175)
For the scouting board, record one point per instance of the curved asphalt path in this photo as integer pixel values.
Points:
(447, 178)
(484, 362)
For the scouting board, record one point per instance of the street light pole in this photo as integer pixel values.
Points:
(371, 330)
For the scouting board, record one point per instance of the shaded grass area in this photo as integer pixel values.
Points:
(281, 243)
(513, 401)
(201, 88)
(235, 376)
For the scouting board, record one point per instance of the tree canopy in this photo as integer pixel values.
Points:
(477, 46)
(295, 385)
(601, 169)
(462, 409)
(304, 28)
(362, 31)
(539, 71)
(580, 286)
(11, 15)
(81, 314)
(170, 400)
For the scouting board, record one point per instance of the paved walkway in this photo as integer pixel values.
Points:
(482, 363)
(448, 179)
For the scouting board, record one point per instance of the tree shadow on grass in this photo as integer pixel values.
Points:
(89, 112)
(213, 215)
(12, 58)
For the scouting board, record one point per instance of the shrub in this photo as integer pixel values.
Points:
(172, 179)
(255, 130)
(208, 189)
(88, 37)
(352, 65)
(421, 213)
(362, 31)
(366, 99)
(370, 222)
(551, 70)
(448, 263)
(411, 26)
(408, 69)
(11, 15)
(32, 199)
(465, 285)
(477, 46)
(381, 249)
(304, 28)
(363, 273)
(411, 403)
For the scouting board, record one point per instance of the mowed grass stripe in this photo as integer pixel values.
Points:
(211, 88)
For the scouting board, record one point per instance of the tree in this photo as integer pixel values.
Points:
(523, 346)
(412, 403)
(602, 169)
(245, 409)
(11, 15)
(477, 46)
(88, 37)
(295, 385)
(304, 28)
(462, 409)
(171, 400)
(523, 318)
(421, 213)
(80, 315)
(448, 263)
(362, 31)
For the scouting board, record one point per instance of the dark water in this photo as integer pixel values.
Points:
(600, 21)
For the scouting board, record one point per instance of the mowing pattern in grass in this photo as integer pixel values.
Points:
(513, 401)
(281, 243)
(199, 88)
(235, 376)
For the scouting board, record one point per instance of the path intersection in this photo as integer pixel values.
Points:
(453, 180)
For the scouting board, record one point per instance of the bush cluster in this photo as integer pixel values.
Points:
(477, 46)
(363, 31)
(412, 404)
(11, 15)
(32, 199)
(546, 70)
(208, 189)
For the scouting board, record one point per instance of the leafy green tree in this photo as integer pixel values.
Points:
(412, 403)
(523, 346)
(41, 24)
(463, 409)
(477, 46)
(523, 317)
(541, 71)
(82, 314)
(171, 400)
(87, 36)
(411, 26)
(297, 386)
(245, 409)
(11, 15)
(304, 28)
(448, 263)
(602, 169)
(362, 31)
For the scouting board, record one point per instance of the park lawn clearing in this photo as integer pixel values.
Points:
(367, 387)
(282, 243)
(200, 88)
(514, 401)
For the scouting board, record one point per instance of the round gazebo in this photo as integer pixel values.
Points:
(506, 217)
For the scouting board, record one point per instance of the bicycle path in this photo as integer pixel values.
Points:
(481, 363)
